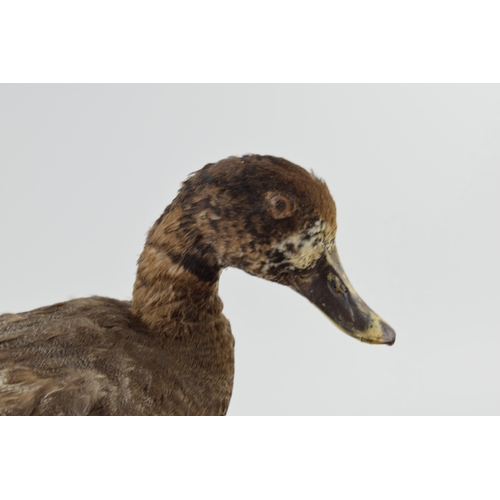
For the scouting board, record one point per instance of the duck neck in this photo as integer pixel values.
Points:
(176, 287)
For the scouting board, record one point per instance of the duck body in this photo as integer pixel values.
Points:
(170, 351)
(93, 356)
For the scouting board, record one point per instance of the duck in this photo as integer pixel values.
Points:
(169, 350)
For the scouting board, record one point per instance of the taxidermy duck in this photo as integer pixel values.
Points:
(170, 351)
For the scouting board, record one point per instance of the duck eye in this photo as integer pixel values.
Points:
(281, 206)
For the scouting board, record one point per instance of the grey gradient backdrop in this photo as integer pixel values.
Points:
(414, 169)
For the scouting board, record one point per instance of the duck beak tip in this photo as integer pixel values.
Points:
(389, 334)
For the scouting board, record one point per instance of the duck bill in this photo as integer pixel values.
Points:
(327, 287)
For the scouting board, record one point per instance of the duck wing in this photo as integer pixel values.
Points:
(24, 391)
(58, 360)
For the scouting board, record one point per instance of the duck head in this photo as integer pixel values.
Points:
(275, 220)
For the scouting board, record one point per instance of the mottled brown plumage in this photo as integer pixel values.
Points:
(170, 350)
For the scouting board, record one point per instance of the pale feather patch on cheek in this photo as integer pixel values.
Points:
(302, 250)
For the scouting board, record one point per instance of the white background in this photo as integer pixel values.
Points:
(266, 41)
(414, 169)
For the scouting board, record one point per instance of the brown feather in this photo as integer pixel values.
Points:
(170, 351)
